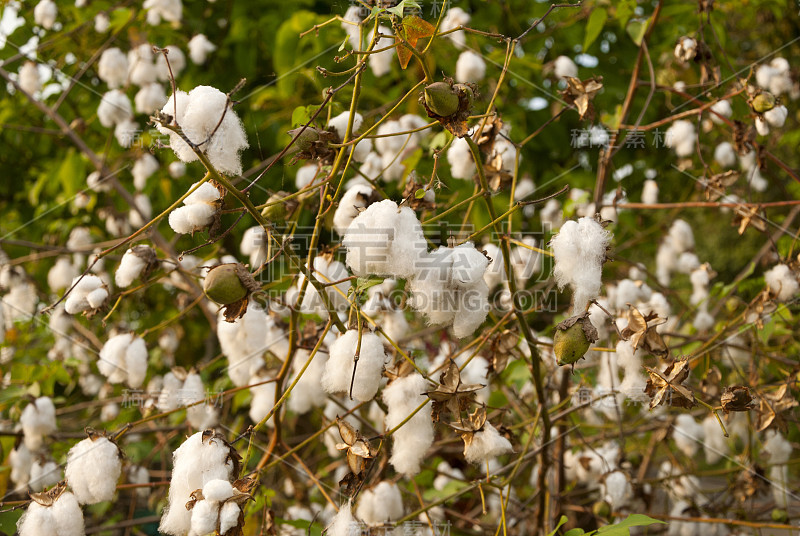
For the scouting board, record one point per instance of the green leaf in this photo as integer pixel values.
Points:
(623, 527)
(561, 522)
(595, 25)
(625, 8)
(301, 115)
(636, 30)
(364, 283)
(420, 193)
(346, 39)
(118, 18)
(574, 532)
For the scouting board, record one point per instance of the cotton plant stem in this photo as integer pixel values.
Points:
(535, 360)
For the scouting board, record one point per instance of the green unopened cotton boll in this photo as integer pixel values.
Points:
(441, 99)
(306, 139)
(763, 102)
(275, 212)
(573, 338)
(223, 284)
(601, 509)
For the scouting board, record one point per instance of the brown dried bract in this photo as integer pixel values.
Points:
(641, 331)
(581, 93)
(451, 395)
(665, 387)
(737, 398)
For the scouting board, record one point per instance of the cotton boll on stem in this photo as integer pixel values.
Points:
(579, 250)
(38, 419)
(470, 68)
(93, 468)
(380, 504)
(341, 368)
(486, 444)
(782, 282)
(411, 441)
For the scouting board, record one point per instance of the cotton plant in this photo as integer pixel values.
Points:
(56, 513)
(123, 358)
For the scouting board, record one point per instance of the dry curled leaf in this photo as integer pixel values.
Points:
(665, 387)
(737, 398)
(451, 395)
(581, 93)
(411, 29)
(473, 424)
(772, 406)
(641, 331)
(716, 185)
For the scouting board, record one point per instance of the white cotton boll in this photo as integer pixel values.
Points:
(762, 127)
(123, 358)
(688, 434)
(688, 262)
(112, 67)
(722, 108)
(454, 18)
(29, 79)
(686, 49)
(412, 122)
(384, 240)
(462, 166)
(263, 398)
(352, 15)
(715, 445)
(20, 460)
(114, 108)
(101, 23)
(169, 10)
(141, 68)
(44, 475)
(306, 394)
(38, 419)
(179, 221)
(495, 273)
(130, 267)
(486, 444)
(150, 98)
(93, 468)
(177, 169)
(62, 273)
(526, 262)
(78, 301)
(725, 155)
(579, 250)
(126, 132)
(339, 123)
(141, 211)
(681, 236)
(381, 62)
(44, 14)
(254, 244)
(217, 490)
(616, 490)
(306, 175)
(470, 68)
(703, 321)
(388, 144)
(681, 136)
(779, 449)
(177, 62)
(381, 504)
(343, 522)
(339, 369)
(142, 169)
(782, 282)
(764, 75)
(551, 215)
(411, 441)
(204, 518)
(199, 113)
(228, 516)
(507, 153)
(563, 66)
(779, 478)
(63, 518)
(756, 181)
(38, 521)
(204, 193)
(199, 49)
(776, 117)
(196, 462)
